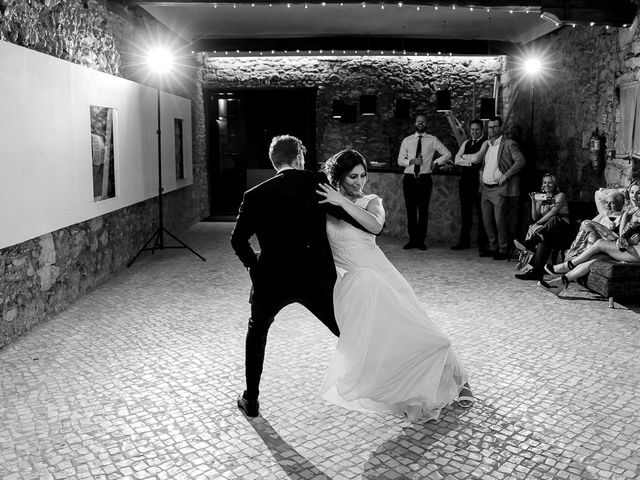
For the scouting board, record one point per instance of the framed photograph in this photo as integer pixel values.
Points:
(177, 129)
(102, 157)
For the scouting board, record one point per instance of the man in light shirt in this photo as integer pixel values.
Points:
(417, 157)
(499, 188)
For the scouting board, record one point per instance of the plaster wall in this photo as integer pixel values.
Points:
(46, 182)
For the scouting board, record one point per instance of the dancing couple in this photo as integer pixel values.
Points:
(317, 235)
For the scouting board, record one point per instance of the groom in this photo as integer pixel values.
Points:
(294, 263)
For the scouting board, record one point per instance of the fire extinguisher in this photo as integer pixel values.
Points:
(596, 151)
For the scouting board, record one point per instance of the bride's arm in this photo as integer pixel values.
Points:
(372, 218)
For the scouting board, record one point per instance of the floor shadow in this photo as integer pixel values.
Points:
(589, 295)
(295, 465)
(458, 444)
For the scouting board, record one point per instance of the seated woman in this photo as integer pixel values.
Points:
(632, 214)
(551, 229)
(569, 271)
(605, 225)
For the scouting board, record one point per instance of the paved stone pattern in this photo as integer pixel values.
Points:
(138, 380)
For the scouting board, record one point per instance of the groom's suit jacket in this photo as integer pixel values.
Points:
(294, 263)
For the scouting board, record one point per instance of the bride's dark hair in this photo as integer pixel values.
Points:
(342, 163)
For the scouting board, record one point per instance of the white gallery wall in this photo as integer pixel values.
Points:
(46, 177)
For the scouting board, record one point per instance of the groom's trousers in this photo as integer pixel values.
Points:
(262, 316)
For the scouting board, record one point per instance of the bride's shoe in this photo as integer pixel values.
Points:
(465, 397)
(555, 289)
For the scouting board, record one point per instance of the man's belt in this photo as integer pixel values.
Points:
(491, 185)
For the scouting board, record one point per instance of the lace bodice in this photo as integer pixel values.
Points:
(346, 240)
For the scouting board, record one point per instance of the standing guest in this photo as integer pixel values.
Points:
(550, 230)
(416, 156)
(501, 161)
(468, 160)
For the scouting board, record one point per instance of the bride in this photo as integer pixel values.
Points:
(390, 356)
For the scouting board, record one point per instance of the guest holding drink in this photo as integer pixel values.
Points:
(550, 213)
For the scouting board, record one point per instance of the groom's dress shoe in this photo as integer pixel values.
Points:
(409, 246)
(251, 408)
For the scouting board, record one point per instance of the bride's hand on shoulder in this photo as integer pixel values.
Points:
(331, 195)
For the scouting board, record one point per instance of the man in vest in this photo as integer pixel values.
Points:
(468, 159)
(501, 161)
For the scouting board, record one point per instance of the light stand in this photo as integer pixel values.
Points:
(158, 236)
(532, 68)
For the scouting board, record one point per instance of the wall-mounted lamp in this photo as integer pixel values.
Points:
(337, 108)
(368, 105)
(487, 108)
(402, 108)
(349, 113)
(443, 100)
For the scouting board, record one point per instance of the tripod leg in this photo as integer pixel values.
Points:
(157, 245)
(184, 245)
(155, 234)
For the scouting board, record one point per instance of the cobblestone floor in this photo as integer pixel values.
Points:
(139, 378)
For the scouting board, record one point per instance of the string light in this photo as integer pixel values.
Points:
(418, 8)
(382, 7)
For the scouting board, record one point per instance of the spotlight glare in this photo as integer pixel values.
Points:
(160, 60)
(532, 66)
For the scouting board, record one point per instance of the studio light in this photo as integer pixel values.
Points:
(532, 66)
(160, 62)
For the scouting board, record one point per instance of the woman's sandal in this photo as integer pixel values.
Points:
(551, 271)
(555, 289)
(466, 400)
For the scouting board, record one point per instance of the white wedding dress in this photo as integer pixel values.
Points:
(390, 356)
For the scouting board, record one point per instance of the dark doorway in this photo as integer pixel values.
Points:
(241, 124)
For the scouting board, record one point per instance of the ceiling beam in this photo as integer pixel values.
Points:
(351, 44)
(611, 12)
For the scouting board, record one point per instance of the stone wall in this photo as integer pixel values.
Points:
(575, 95)
(45, 275)
(378, 136)
(444, 210)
